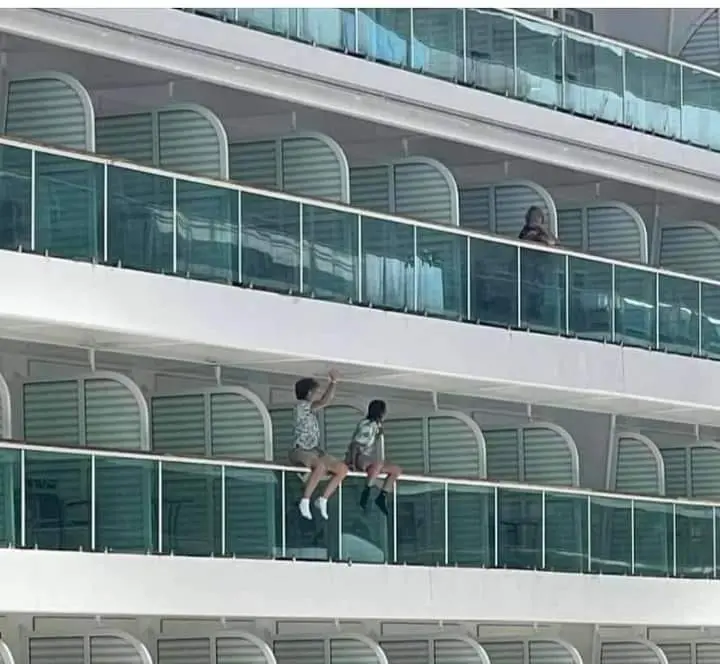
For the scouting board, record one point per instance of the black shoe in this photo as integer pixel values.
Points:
(365, 497)
(381, 502)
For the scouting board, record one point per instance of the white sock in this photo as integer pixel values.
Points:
(305, 508)
(321, 504)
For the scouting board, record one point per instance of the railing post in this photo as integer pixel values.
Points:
(93, 502)
(446, 520)
(674, 536)
(160, 506)
(543, 530)
(23, 499)
(283, 515)
(223, 511)
(632, 536)
(496, 528)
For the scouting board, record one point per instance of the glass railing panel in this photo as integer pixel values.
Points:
(190, 499)
(207, 231)
(10, 496)
(438, 43)
(15, 208)
(365, 535)
(539, 63)
(590, 306)
(68, 207)
(140, 220)
(490, 61)
(700, 108)
(126, 505)
(388, 264)
(421, 524)
(542, 290)
(678, 315)
(653, 530)
(694, 541)
(635, 306)
(566, 532)
(330, 253)
(652, 94)
(520, 528)
(494, 292)
(611, 535)
(441, 273)
(277, 21)
(58, 500)
(322, 26)
(384, 35)
(270, 237)
(304, 539)
(471, 525)
(252, 512)
(710, 320)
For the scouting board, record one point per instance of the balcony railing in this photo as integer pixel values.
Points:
(84, 207)
(79, 499)
(520, 56)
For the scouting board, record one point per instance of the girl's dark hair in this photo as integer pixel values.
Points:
(532, 213)
(303, 388)
(376, 410)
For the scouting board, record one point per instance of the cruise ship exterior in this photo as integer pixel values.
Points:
(200, 207)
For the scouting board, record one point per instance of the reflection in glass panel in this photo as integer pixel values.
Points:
(593, 78)
(441, 273)
(539, 63)
(519, 523)
(365, 536)
(126, 508)
(191, 500)
(384, 35)
(420, 523)
(678, 322)
(330, 253)
(15, 195)
(710, 332)
(490, 54)
(471, 525)
(207, 228)
(140, 220)
(652, 94)
(57, 500)
(438, 42)
(611, 534)
(653, 538)
(323, 26)
(69, 200)
(388, 255)
(493, 283)
(270, 237)
(277, 21)
(591, 299)
(635, 306)
(252, 501)
(700, 108)
(304, 539)
(694, 541)
(542, 290)
(9, 497)
(566, 532)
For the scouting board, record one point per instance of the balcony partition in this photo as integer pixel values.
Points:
(250, 510)
(517, 55)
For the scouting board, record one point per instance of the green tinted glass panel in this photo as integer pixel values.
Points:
(493, 283)
(420, 523)
(16, 193)
(57, 500)
(191, 509)
(388, 264)
(471, 525)
(566, 532)
(140, 220)
(330, 253)
(437, 47)
(320, 26)
(710, 322)
(9, 498)
(305, 540)
(542, 290)
(611, 535)
(365, 536)
(520, 515)
(635, 307)
(678, 315)
(539, 63)
(68, 207)
(701, 108)
(384, 35)
(590, 299)
(207, 231)
(441, 273)
(490, 61)
(270, 233)
(653, 539)
(694, 544)
(126, 505)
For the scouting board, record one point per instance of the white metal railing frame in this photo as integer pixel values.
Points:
(443, 484)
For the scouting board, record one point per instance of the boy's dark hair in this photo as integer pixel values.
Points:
(303, 388)
(376, 410)
(533, 212)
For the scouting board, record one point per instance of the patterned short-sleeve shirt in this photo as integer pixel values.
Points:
(367, 432)
(306, 432)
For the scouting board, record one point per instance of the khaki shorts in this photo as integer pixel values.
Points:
(309, 458)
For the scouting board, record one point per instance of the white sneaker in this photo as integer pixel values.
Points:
(321, 504)
(305, 508)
